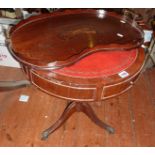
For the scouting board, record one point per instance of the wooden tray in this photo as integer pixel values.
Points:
(55, 40)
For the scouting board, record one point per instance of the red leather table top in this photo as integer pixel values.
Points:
(100, 64)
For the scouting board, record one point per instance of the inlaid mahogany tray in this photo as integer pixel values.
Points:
(59, 39)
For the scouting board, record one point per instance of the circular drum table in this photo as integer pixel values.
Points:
(96, 77)
(79, 55)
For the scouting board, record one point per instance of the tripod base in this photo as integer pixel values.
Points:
(69, 110)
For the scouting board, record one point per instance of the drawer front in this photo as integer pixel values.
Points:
(116, 89)
(57, 89)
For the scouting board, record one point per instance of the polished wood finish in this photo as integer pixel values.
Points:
(61, 38)
(86, 89)
(69, 110)
(132, 114)
(64, 31)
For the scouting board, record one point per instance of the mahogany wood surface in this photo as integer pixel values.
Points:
(41, 42)
(86, 89)
(77, 107)
(58, 39)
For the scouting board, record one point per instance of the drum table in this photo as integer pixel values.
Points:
(79, 55)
